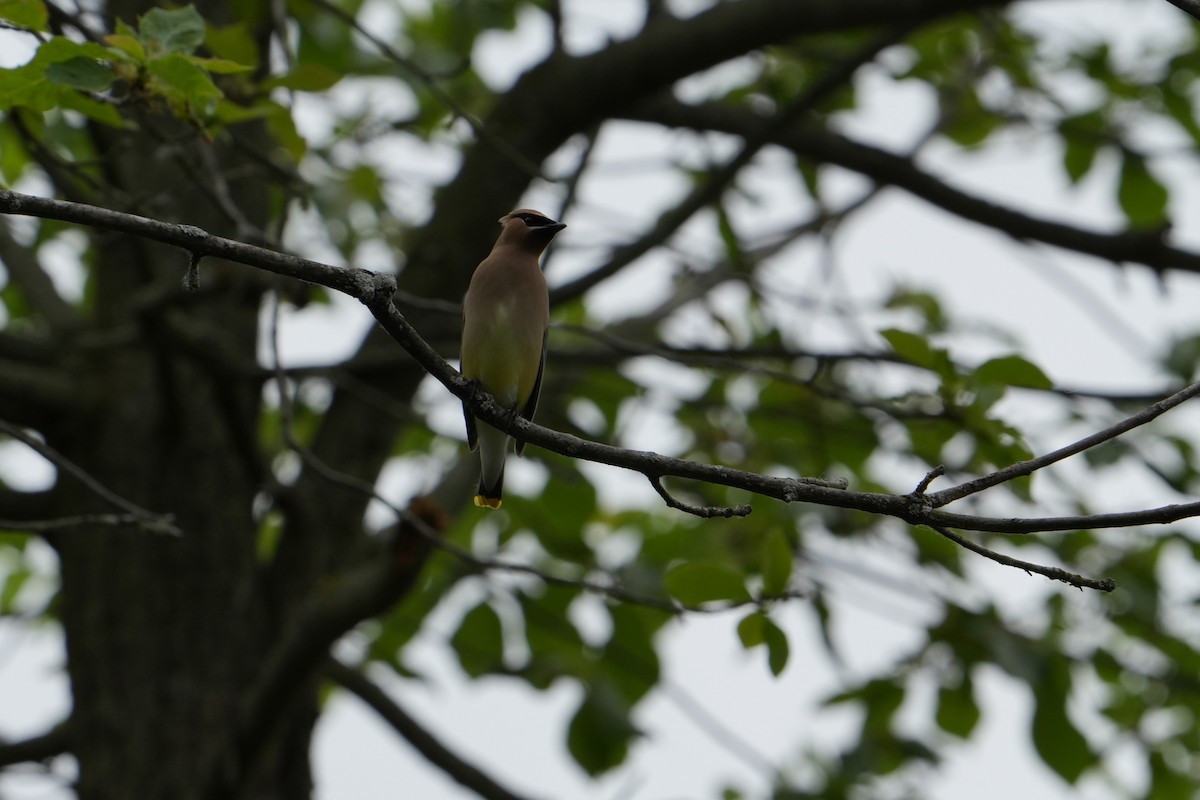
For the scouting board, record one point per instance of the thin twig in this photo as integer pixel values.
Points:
(929, 478)
(44, 747)
(707, 512)
(148, 520)
(68, 523)
(1027, 467)
(191, 278)
(1054, 573)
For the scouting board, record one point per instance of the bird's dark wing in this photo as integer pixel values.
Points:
(472, 434)
(531, 404)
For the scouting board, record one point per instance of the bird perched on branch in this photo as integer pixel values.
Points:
(506, 314)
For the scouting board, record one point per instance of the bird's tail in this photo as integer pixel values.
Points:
(493, 448)
(489, 496)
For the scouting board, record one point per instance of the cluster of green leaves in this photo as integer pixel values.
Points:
(990, 74)
(155, 62)
(1134, 649)
(968, 61)
(173, 60)
(1159, 84)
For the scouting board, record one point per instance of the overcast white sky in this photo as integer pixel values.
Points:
(520, 737)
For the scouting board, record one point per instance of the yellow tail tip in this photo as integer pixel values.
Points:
(487, 502)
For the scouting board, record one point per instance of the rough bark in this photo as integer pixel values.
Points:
(164, 635)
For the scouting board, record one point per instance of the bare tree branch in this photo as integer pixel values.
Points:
(375, 291)
(70, 523)
(1030, 466)
(1187, 6)
(1054, 573)
(425, 743)
(53, 742)
(706, 512)
(1133, 246)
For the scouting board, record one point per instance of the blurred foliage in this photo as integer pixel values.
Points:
(771, 406)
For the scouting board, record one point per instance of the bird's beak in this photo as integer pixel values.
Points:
(554, 228)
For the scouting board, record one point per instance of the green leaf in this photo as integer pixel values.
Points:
(270, 532)
(1107, 453)
(27, 86)
(1012, 371)
(777, 649)
(1179, 106)
(14, 158)
(927, 305)
(61, 49)
(1061, 746)
(479, 641)
(912, 347)
(752, 629)
(968, 122)
(305, 78)
(81, 73)
(1167, 782)
(183, 83)
(697, 582)
(1183, 358)
(1142, 196)
(10, 589)
(632, 646)
(38, 84)
(777, 562)
(179, 31)
(233, 42)
(560, 514)
(810, 173)
(282, 127)
(881, 698)
(29, 14)
(555, 647)
(957, 711)
(93, 109)
(219, 66)
(600, 731)
(1079, 153)
(757, 629)
(126, 40)
(127, 45)
(729, 238)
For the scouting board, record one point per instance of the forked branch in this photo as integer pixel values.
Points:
(376, 292)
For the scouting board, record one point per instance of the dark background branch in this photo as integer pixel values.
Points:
(53, 742)
(1135, 246)
(428, 745)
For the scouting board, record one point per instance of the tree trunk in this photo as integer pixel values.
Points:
(164, 636)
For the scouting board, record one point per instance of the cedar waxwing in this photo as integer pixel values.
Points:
(506, 314)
